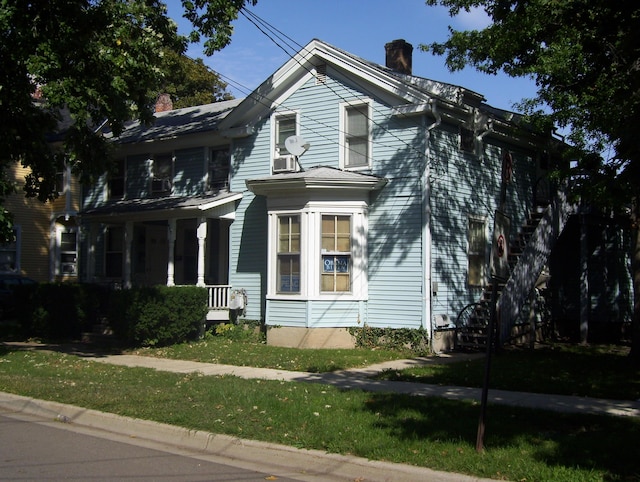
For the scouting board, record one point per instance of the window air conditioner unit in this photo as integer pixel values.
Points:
(284, 164)
(161, 185)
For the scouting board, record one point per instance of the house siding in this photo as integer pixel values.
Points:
(189, 171)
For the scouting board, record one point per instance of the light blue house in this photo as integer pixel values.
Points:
(340, 193)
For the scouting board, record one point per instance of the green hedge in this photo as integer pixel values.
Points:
(152, 316)
(159, 315)
(58, 311)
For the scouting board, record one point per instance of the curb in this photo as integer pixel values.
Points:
(298, 464)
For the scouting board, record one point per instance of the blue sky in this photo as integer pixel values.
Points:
(361, 27)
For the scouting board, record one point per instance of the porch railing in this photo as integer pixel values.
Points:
(219, 296)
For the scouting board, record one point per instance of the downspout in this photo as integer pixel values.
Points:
(427, 317)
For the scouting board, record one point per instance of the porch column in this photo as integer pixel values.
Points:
(202, 237)
(171, 267)
(128, 242)
(91, 252)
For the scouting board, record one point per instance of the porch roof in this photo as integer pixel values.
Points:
(153, 209)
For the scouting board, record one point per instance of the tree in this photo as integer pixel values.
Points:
(190, 82)
(75, 66)
(584, 56)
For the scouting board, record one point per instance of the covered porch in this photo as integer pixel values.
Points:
(169, 241)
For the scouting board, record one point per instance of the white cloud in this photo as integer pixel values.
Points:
(475, 19)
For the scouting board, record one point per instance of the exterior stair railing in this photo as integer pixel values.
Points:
(531, 262)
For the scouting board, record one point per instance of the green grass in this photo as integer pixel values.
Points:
(520, 444)
(222, 350)
(599, 371)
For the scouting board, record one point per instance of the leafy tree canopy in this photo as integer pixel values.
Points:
(584, 56)
(79, 65)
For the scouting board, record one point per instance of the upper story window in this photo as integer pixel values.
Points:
(336, 253)
(467, 142)
(284, 126)
(162, 173)
(288, 255)
(477, 242)
(355, 120)
(218, 172)
(116, 181)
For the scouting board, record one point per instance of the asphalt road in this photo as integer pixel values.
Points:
(35, 449)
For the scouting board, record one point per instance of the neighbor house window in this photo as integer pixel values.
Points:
(161, 173)
(67, 252)
(356, 135)
(218, 173)
(9, 253)
(288, 256)
(476, 252)
(114, 251)
(336, 253)
(116, 182)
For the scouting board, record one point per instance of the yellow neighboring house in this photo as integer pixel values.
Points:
(46, 245)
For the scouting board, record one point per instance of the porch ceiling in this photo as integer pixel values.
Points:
(154, 209)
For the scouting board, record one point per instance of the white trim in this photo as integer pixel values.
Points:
(343, 106)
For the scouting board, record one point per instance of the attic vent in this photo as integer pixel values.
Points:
(321, 74)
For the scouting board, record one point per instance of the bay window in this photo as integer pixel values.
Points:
(336, 254)
(288, 256)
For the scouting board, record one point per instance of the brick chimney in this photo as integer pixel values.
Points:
(399, 56)
(164, 103)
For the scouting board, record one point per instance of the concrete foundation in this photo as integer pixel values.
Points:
(295, 337)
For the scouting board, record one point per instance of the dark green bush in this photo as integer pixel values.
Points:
(159, 315)
(60, 311)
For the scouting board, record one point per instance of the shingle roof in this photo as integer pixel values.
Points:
(189, 120)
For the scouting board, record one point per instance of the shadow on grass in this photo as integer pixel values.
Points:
(607, 444)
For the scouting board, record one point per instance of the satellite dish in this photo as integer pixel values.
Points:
(296, 145)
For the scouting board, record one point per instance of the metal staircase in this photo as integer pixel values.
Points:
(529, 252)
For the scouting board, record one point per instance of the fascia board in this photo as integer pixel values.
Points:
(220, 202)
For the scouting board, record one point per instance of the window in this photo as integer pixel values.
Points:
(68, 253)
(162, 167)
(114, 247)
(9, 254)
(476, 252)
(467, 143)
(116, 182)
(219, 163)
(284, 126)
(288, 256)
(336, 253)
(356, 132)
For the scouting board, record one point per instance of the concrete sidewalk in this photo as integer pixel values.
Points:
(360, 379)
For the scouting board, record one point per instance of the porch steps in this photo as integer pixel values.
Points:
(101, 334)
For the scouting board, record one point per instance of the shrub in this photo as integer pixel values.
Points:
(56, 310)
(416, 340)
(159, 315)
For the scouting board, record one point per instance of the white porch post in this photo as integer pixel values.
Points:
(202, 237)
(128, 242)
(91, 252)
(171, 267)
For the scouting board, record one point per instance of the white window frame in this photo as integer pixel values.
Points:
(479, 256)
(311, 250)
(60, 230)
(288, 254)
(344, 134)
(162, 184)
(14, 248)
(213, 183)
(109, 196)
(276, 149)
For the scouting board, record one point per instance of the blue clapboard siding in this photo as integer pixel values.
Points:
(189, 171)
(138, 176)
